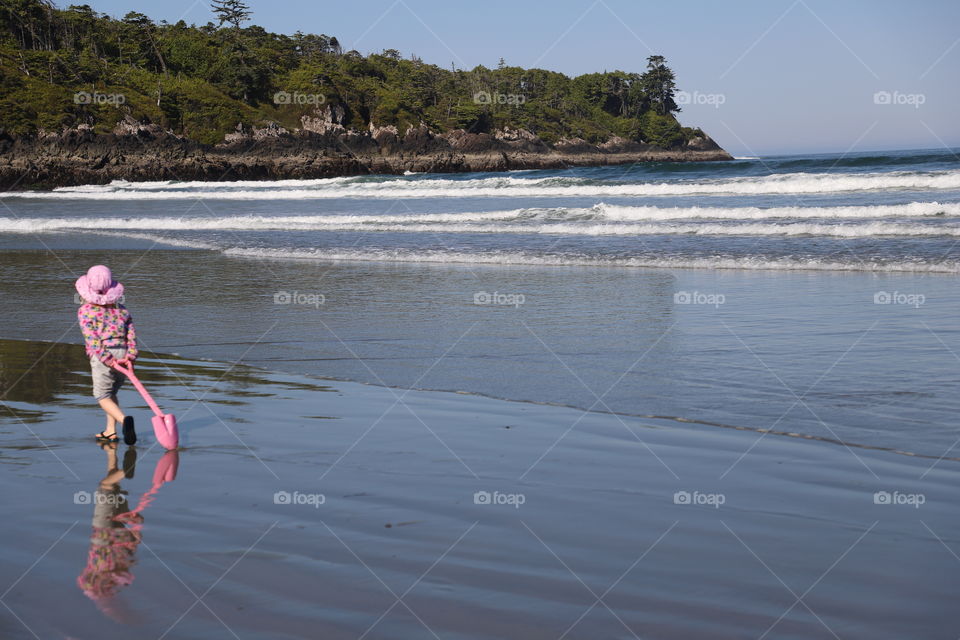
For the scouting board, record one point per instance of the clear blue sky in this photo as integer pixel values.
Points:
(762, 76)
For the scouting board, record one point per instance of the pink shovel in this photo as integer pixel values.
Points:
(164, 424)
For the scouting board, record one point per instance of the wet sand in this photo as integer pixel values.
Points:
(302, 508)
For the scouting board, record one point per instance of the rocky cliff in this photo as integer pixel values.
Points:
(322, 148)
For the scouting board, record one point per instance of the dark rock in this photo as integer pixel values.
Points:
(323, 148)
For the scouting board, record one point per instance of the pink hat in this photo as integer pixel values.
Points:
(98, 286)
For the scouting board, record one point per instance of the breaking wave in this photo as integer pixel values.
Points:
(501, 186)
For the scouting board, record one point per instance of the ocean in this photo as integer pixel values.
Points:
(805, 295)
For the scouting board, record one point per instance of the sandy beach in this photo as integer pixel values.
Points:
(299, 507)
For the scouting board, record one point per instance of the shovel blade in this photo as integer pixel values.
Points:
(165, 429)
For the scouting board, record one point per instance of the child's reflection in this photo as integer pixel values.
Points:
(117, 529)
(116, 533)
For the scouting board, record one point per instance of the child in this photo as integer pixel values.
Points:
(110, 337)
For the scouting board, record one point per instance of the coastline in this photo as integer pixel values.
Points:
(136, 152)
(791, 517)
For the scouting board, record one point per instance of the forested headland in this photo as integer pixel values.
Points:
(103, 98)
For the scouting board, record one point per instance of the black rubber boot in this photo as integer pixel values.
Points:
(129, 433)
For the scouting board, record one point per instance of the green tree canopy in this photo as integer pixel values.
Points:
(202, 80)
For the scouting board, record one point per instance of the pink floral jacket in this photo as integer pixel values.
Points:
(107, 327)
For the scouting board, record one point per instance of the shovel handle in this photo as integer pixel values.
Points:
(119, 367)
(128, 371)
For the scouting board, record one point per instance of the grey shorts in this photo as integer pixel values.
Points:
(107, 504)
(106, 380)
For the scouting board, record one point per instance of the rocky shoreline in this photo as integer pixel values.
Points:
(321, 149)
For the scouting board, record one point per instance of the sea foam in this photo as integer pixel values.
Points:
(500, 186)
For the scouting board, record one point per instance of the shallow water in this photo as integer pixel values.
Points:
(299, 508)
(801, 352)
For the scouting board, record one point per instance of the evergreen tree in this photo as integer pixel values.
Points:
(659, 86)
(239, 72)
(233, 12)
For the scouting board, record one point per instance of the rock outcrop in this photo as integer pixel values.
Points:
(322, 148)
